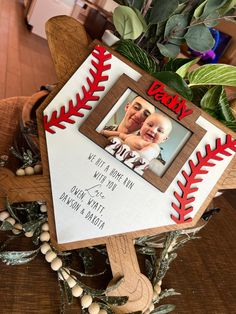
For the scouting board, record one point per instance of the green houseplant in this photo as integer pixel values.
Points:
(151, 34)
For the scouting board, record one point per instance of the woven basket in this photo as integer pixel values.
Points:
(12, 111)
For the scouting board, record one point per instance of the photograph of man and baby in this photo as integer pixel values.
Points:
(146, 130)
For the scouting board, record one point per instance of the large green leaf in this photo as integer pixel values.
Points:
(176, 82)
(198, 92)
(212, 5)
(226, 112)
(174, 64)
(199, 38)
(168, 50)
(176, 28)
(127, 23)
(211, 99)
(215, 102)
(212, 19)
(183, 70)
(213, 74)
(162, 10)
(141, 18)
(137, 55)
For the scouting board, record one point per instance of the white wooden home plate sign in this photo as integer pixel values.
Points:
(105, 192)
(94, 194)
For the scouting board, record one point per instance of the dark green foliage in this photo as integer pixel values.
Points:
(176, 82)
(137, 55)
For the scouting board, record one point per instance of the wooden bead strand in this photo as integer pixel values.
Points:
(86, 301)
(4, 215)
(56, 263)
(20, 172)
(94, 308)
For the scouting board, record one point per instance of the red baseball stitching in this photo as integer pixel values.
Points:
(184, 200)
(88, 95)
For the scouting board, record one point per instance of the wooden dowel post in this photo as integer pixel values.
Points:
(124, 263)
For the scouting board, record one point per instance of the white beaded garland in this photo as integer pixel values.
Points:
(20, 172)
(29, 234)
(56, 264)
(43, 208)
(71, 281)
(77, 291)
(11, 220)
(45, 247)
(64, 273)
(29, 171)
(17, 228)
(45, 227)
(102, 311)
(4, 215)
(86, 300)
(50, 256)
(44, 236)
(94, 308)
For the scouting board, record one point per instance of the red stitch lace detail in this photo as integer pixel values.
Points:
(184, 207)
(74, 110)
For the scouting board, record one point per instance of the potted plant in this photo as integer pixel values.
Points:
(151, 34)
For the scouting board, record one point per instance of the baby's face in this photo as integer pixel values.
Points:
(156, 128)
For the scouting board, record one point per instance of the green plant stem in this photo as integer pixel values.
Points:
(210, 20)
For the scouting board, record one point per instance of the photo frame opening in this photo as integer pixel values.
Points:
(141, 133)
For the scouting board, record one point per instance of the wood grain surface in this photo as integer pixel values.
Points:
(25, 59)
(68, 43)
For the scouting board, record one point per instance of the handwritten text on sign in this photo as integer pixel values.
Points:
(88, 201)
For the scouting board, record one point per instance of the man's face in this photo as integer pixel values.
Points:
(136, 113)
